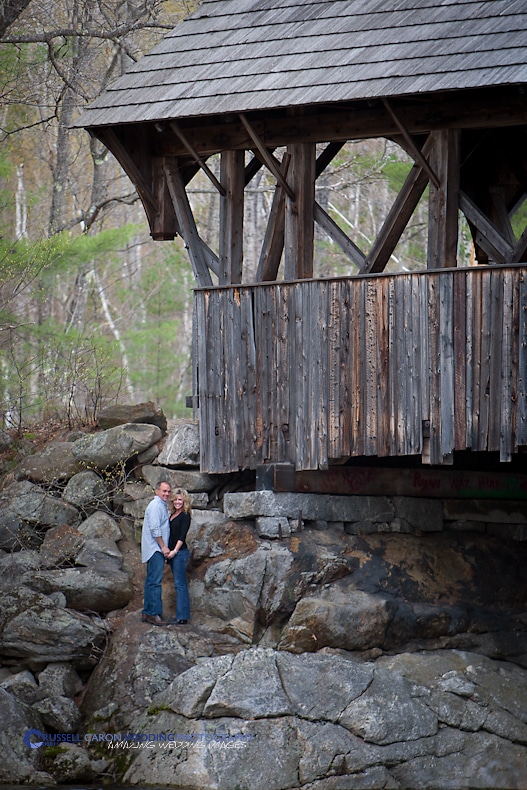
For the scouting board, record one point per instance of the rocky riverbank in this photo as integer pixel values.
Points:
(335, 642)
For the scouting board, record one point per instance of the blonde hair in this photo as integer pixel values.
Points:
(186, 499)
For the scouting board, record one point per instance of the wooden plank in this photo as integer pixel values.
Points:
(357, 366)
(399, 372)
(486, 350)
(283, 406)
(335, 355)
(415, 352)
(298, 374)
(247, 382)
(446, 351)
(469, 357)
(443, 200)
(495, 360)
(263, 371)
(460, 361)
(369, 353)
(423, 482)
(522, 361)
(322, 373)
(477, 319)
(201, 299)
(434, 369)
(188, 226)
(507, 433)
(299, 216)
(383, 405)
(345, 389)
(231, 217)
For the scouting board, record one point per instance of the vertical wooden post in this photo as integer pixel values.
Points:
(231, 217)
(299, 216)
(443, 202)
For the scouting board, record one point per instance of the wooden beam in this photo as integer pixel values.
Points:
(231, 217)
(252, 168)
(501, 215)
(113, 143)
(267, 158)
(411, 146)
(186, 222)
(327, 156)
(163, 223)
(398, 217)
(489, 237)
(468, 109)
(336, 233)
(273, 243)
(299, 213)
(379, 481)
(443, 202)
(197, 158)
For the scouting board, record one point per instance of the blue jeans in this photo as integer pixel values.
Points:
(154, 576)
(178, 566)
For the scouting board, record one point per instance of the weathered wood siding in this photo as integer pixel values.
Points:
(315, 370)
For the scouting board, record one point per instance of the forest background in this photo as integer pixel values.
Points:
(92, 311)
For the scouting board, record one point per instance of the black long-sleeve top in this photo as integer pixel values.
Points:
(178, 530)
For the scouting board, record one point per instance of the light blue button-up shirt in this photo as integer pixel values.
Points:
(156, 524)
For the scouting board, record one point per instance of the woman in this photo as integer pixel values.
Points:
(179, 554)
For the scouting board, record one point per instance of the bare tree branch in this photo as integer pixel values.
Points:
(10, 10)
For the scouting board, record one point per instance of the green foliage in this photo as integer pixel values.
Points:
(157, 343)
(519, 220)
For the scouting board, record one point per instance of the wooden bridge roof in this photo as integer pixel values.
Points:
(234, 56)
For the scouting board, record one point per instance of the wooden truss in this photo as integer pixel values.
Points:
(476, 164)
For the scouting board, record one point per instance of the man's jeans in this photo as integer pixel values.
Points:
(178, 565)
(154, 575)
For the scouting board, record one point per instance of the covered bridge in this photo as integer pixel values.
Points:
(312, 372)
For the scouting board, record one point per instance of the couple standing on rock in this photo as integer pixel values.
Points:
(163, 540)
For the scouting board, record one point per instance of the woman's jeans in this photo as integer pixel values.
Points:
(155, 566)
(178, 565)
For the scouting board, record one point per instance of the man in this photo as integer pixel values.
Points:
(154, 549)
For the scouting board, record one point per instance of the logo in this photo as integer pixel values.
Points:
(33, 744)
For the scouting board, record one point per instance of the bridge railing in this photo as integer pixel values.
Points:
(315, 371)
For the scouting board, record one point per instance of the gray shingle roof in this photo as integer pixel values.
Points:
(242, 55)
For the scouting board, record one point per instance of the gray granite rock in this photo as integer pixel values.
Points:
(121, 414)
(115, 445)
(54, 462)
(314, 507)
(181, 446)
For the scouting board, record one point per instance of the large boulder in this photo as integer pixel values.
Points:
(148, 413)
(339, 617)
(87, 491)
(24, 503)
(115, 445)
(101, 525)
(181, 446)
(87, 571)
(141, 661)
(54, 462)
(35, 630)
(19, 764)
(337, 723)
(191, 480)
